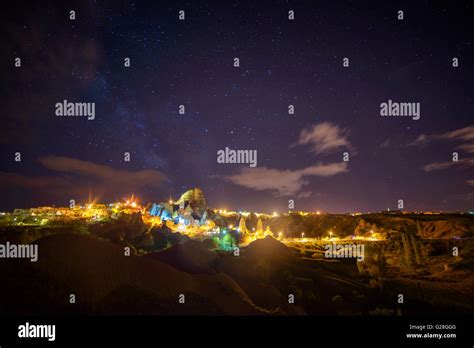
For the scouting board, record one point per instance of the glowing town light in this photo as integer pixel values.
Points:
(318, 212)
(302, 235)
(275, 214)
(134, 204)
(231, 226)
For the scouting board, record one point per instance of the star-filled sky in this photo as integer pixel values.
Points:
(283, 62)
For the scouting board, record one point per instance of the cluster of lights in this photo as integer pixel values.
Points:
(131, 203)
(225, 212)
(182, 226)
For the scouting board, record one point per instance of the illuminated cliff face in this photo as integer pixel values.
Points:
(195, 196)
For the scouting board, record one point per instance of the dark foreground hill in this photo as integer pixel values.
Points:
(263, 278)
(105, 281)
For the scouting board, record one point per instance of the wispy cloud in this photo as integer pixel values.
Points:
(74, 176)
(469, 148)
(106, 174)
(325, 138)
(438, 166)
(283, 182)
(463, 135)
(445, 165)
(465, 139)
(305, 194)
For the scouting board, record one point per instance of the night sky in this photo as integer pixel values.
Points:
(282, 62)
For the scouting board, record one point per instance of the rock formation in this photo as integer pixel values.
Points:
(268, 232)
(242, 226)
